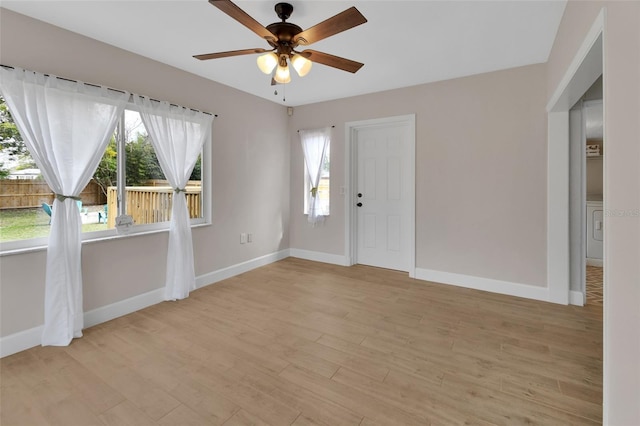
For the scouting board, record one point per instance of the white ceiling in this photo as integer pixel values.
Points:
(404, 43)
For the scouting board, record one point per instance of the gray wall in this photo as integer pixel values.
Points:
(480, 172)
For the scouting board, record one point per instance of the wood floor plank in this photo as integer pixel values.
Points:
(17, 407)
(71, 411)
(548, 395)
(183, 416)
(404, 394)
(495, 406)
(89, 388)
(304, 359)
(230, 384)
(303, 343)
(212, 406)
(244, 418)
(126, 414)
(123, 378)
(25, 367)
(363, 365)
(348, 396)
(313, 407)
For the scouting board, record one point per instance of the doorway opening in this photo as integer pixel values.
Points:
(586, 190)
(584, 70)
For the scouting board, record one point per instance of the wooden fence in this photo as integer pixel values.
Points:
(23, 193)
(151, 204)
(164, 182)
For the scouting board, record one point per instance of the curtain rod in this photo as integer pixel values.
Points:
(115, 90)
(331, 127)
(174, 105)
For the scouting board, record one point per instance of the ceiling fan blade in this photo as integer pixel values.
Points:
(243, 17)
(230, 53)
(331, 60)
(341, 22)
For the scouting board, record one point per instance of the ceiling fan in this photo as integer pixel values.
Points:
(284, 37)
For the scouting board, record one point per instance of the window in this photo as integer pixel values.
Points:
(24, 221)
(146, 192)
(323, 187)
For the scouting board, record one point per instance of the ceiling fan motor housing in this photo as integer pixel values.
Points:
(284, 31)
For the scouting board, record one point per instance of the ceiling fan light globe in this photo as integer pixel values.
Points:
(301, 64)
(283, 76)
(267, 62)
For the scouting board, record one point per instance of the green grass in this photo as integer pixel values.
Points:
(23, 224)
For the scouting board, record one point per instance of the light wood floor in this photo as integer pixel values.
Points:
(303, 343)
(594, 281)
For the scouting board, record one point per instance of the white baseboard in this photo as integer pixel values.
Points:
(26, 339)
(594, 262)
(576, 298)
(240, 268)
(316, 256)
(122, 307)
(485, 284)
(20, 341)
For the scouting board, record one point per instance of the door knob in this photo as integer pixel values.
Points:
(359, 204)
(359, 194)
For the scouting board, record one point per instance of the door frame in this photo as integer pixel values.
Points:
(586, 67)
(577, 204)
(351, 170)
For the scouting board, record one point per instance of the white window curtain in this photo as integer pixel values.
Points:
(177, 134)
(314, 145)
(66, 126)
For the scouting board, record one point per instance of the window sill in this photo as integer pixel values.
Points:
(102, 236)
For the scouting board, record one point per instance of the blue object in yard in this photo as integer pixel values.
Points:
(103, 215)
(47, 209)
(79, 203)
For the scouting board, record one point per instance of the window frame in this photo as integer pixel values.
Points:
(41, 243)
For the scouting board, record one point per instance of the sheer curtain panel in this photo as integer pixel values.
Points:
(314, 145)
(177, 134)
(66, 126)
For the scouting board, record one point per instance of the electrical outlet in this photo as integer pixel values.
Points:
(243, 238)
(249, 238)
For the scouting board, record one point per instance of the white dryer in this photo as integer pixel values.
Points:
(595, 232)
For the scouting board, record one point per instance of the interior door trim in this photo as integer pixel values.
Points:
(351, 129)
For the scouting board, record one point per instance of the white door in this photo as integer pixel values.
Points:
(383, 196)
